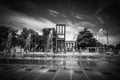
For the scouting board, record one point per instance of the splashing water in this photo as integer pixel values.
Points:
(49, 42)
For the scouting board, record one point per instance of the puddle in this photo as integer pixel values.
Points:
(28, 69)
(24, 66)
(66, 68)
(88, 68)
(106, 73)
(78, 72)
(43, 67)
(7, 68)
(52, 70)
(34, 66)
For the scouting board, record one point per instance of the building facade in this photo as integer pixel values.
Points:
(70, 46)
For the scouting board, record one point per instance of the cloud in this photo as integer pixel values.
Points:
(19, 20)
(19, 32)
(101, 36)
(72, 30)
(112, 39)
(53, 12)
(102, 32)
(29, 22)
(30, 5)
(78, 17)
(100, 20)
(87, 24)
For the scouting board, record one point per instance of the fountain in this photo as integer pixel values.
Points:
(8, 43)
(27, 44)
(49, 45)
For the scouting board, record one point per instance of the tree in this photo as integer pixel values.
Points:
(39, 43)
(111, 46)
(8, 38)
(86, 39)
(118, 46)
(30, 38)
(4, 32)
(14, 41)
(23, 37)
(34, 40)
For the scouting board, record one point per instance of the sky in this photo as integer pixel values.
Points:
(99, 16)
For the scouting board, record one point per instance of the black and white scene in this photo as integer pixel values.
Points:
(59, 39)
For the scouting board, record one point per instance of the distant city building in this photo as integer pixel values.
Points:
(70, 45)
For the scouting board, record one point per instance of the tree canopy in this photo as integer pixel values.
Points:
(27, 36)
(118, 46)
(4, 31)
(86, 39)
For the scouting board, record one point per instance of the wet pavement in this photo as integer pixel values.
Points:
(62, 68)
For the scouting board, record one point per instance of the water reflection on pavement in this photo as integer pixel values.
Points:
(62, 68)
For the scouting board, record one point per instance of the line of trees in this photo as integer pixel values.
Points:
(37, 42)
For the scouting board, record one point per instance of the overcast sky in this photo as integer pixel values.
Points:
(97, 15)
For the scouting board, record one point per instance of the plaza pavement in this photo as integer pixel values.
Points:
(68, 69)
